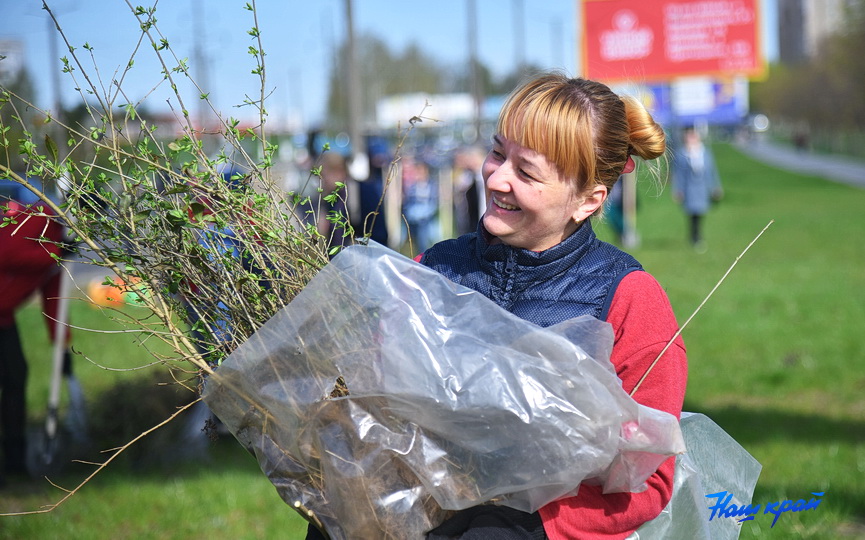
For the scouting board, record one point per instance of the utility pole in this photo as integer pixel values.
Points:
(56, 129)
(202, 73)
(359, 163)
(556, 41)
(472, 27)
(519, 34)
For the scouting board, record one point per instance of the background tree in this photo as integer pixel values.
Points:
(19, 84)
(382, 73)
(823, 95)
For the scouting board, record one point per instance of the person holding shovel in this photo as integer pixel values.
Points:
(559, 147)
(27, 266)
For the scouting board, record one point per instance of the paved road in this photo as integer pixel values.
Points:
(835, 168)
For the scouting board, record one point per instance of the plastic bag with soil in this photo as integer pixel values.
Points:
(385, 396)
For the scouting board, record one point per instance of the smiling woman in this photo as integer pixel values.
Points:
(531, 204)
(561, 145)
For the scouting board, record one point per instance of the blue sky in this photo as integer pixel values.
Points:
(299, 38)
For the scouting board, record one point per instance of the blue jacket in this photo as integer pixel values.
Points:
(695, 185)
(576, 277)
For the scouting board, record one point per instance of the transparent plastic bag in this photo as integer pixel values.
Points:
(385, 396)
(713, 462)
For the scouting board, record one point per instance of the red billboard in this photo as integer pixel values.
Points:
(646, 40)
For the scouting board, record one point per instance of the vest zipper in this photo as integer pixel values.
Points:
(510, 265)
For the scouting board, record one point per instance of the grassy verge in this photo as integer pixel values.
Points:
(775, 359)
(222, 495)
(161, 488)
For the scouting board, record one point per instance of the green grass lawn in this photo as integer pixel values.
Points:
(218, 492)
(776, 360)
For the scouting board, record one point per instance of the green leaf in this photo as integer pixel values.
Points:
(141, 216)
(177, 218)
(197, 210)
(130, 110)
(180, 188)
(174, 286)
(52, 147)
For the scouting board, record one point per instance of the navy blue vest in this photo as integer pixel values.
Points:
(575, 277)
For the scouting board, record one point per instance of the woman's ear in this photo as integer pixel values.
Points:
(591, 202)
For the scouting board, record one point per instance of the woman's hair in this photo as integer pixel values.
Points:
(584, 128)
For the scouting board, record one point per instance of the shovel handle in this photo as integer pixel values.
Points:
(57, 356)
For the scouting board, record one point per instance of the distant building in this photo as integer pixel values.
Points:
(802, 25)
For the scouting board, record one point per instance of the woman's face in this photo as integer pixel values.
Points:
(529, 204)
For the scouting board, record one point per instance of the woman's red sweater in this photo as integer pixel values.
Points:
(643, 323)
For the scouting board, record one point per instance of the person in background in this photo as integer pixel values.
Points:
(468, 188)
(334, 171)
(27, 267)
(695, 183)
(420, 202)
(560, 145)
(370, 217)
(614, 211)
